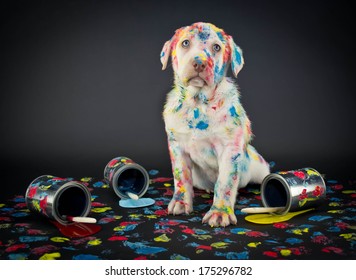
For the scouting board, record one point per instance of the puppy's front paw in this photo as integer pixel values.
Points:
(178, 207)
(220, 217)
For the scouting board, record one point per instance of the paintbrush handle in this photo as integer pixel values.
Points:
(87, 220)
(255, 210)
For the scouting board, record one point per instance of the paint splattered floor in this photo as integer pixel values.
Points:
(149, 233)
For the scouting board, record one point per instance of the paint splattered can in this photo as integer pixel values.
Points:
(125, 176)
(58, 198)
(293, 190)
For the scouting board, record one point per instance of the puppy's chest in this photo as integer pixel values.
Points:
(198, 122)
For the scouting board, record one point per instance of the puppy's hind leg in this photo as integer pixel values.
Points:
(259, 168)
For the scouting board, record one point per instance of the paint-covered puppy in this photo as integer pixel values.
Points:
(208, 130)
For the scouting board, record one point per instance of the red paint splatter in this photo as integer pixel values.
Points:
(303, 195)
(270, 254)
(161, 212)
(141, 258)
(118, 238)
(258, 197)
(337, 187)
(5, 219)
(281, 225)
(16, 247)
(188, 231)
(35, 232)
(255, 233)
(161, 180)
(320, 239)
(97, 204)
(169, 192)
(332, 250)
(20, 205)
(43, 204)
(32, 192)
(112, 163)
(318, 191)
(299, 174)
(204, 247)
(342, 225)
(44, 249)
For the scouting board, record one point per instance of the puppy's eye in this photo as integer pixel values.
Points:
(216, 48)
(185, 44)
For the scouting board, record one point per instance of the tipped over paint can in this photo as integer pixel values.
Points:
(58, 198)
(293, 190)
(126, 177)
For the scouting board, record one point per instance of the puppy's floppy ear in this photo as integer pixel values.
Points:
(236, 58)
(165, 53)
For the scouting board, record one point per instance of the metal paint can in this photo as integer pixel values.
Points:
(294, 190)
(57, 198)
(124, 175)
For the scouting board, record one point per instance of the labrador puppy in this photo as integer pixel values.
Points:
(208, 131)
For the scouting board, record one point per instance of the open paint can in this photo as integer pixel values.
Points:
(126, 177)
(58, 198)
(293, 190)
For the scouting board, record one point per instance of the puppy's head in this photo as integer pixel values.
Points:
(201, 54)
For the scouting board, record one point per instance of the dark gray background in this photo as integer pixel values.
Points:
(81, 82)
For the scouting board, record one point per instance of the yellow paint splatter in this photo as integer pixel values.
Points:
(135, 216)
(205, 195)
(2, 205)
(348, 236)
(285, 252)
(119, 228)
(3, 226)
(162, 238)
(199, 251)
(349, 192)
(59, 239)
(312, 172)
(202, 236)
(300, 231)
(36, 205)
(51, 256)
(167, 185)
(220, 245)
(334, 204)
(254, 244)
(151, 216)
(100, 209)
(86, 179)
(94, 242)
(336, 211)
(43, 187)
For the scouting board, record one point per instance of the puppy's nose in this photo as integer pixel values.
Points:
(199, 63)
